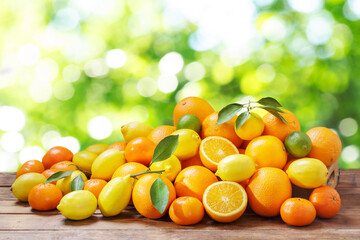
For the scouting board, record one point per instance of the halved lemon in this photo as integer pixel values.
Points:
(213, 149)
(225, 201)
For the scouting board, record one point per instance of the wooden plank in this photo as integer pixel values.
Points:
(184, 234)
(129, 220)
(7, 179)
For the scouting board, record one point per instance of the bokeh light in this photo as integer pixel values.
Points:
(72, 72)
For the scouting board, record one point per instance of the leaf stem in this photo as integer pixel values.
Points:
(145, 172)
(84, 171)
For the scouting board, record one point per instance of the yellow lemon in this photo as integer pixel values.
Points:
(65, 183)
(237, 168)
(307, 173)
(172, 167)
(135, 129)
(115, 196)
(106, 163)
(97, 148)
(78, 205)
(84, 159)
(252, 127)
(23, 184)
(189, 142)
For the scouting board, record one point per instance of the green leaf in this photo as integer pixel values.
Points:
(269, 108)
(58, 175)
(165, 148)
(159, 194)
(242, 119)
(276, 114)
(78, 183)
(228, 113)
(269, 101)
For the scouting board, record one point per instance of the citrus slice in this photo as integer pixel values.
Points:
(213, 149)
(225, 201)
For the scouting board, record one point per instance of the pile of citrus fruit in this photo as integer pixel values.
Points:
(209, 162)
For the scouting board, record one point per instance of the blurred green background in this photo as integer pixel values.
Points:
(73, 71)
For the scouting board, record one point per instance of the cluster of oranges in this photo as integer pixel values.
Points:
(192, 174)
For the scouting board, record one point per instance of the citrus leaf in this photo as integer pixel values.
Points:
(58, 175)
(228, 113)
(78, 183)
(159, 194)
(268, 108)
(276, 114)
(269, 101)
(242, 119)
(165, 148)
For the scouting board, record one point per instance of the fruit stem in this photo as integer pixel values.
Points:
(145, 172)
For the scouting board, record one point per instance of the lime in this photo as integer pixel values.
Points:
(189, 121)
(236, 167)
(298, 144)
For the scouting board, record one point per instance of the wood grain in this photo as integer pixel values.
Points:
(19, 221)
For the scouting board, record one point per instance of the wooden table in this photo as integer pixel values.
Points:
(19, 221)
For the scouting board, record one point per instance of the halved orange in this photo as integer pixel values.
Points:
(213, 149)
(225, 201)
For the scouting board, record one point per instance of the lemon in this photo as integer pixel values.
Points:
(97, 148)
(135, 129)
(189, 121)
(298, 144)
(106, 163)
(23, 184)
(172, 167)
(84, 159)
(65, 183)
(115, 196)
(189, 142)
(307, 173)
(236, 167)
(78, 205)
(252, 127)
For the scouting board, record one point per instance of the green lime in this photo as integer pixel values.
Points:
(298, 144)
(189, 121)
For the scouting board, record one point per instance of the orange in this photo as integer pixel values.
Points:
(118, 145)
(267, 151)
(44, 197)
(326, 145)
(55, 155)
(63, 166)
(225, 201)
(268, 188)
(30, 166)
(245, 143)
(192, 181)
(160, 132)
(225, 130)
(140, 150)
(141, 196)
(297, 212)
(186, 211)
(326, 201)
(279, 129)
(194, 161)
(95, 186)
(213, 149)
(192, 105)
(48, 172)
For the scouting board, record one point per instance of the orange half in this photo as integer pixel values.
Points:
(213, 149)
(225, 201)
